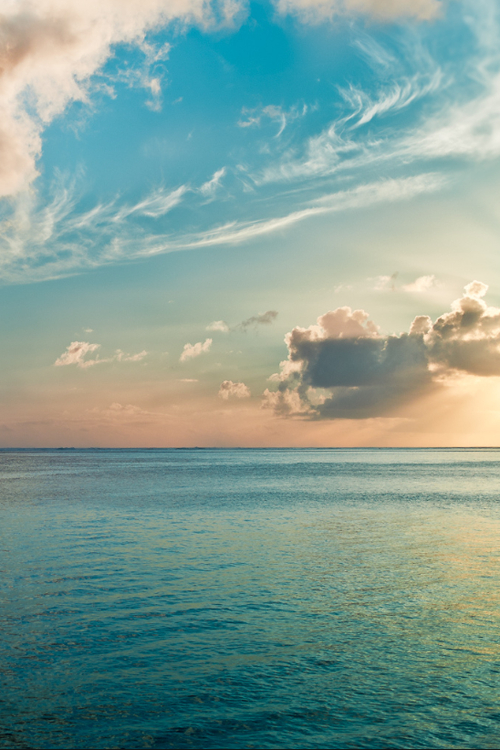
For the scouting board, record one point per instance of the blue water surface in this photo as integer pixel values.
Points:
(250, 598)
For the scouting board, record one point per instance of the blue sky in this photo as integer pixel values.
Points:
(170, 165)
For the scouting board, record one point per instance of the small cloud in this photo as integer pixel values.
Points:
(209, 188)
(386, 283)
(156, 204)
(422, 284)
(218, 325)
(124, 357)
(342, 288)
(194, 350)
(276, 114)
(476, 289)
(75, 355)
(262, 319)
(88, 330)
(187, 380)
(237, 390)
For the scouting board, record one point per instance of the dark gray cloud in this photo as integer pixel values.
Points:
(343, 368)
(256, 320)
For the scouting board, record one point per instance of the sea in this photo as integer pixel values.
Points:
(219, 598)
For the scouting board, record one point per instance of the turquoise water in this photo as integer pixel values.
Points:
(250, 598)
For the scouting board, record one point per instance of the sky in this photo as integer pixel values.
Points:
(229, 223)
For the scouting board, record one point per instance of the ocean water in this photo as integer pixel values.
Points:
(250, 598)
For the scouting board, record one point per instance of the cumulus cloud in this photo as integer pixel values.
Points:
(317, 10)
(51, 49)
(342, 367)
(75, 355)
(218, 325)
(194, 350)
(229, 389)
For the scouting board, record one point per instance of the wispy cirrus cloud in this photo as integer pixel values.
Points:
(455, 110)
(275, 113)
(53, 240)
(209, 188)
(446, 113)
(395, 97)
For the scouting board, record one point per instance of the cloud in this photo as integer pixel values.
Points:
(194, 350)
(384, 283)
(318, 10)
(156, 204)
(255, 320)
(262, 319)
(229, 389)
(208, 189)
(218, 325)
(253, 117)
(76, 352)
(394, 98)
(53, 239)
(342, 367)
(388, 283)
(53, 53)
(75, 355)
(52, 50)
(124, 357)
(422, 284)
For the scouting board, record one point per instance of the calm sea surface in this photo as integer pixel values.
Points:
(250, 598)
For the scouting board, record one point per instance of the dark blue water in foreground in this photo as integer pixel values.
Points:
(233, 599)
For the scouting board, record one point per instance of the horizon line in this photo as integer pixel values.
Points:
(250, 448)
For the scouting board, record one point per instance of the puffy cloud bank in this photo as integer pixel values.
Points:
(343, 368)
